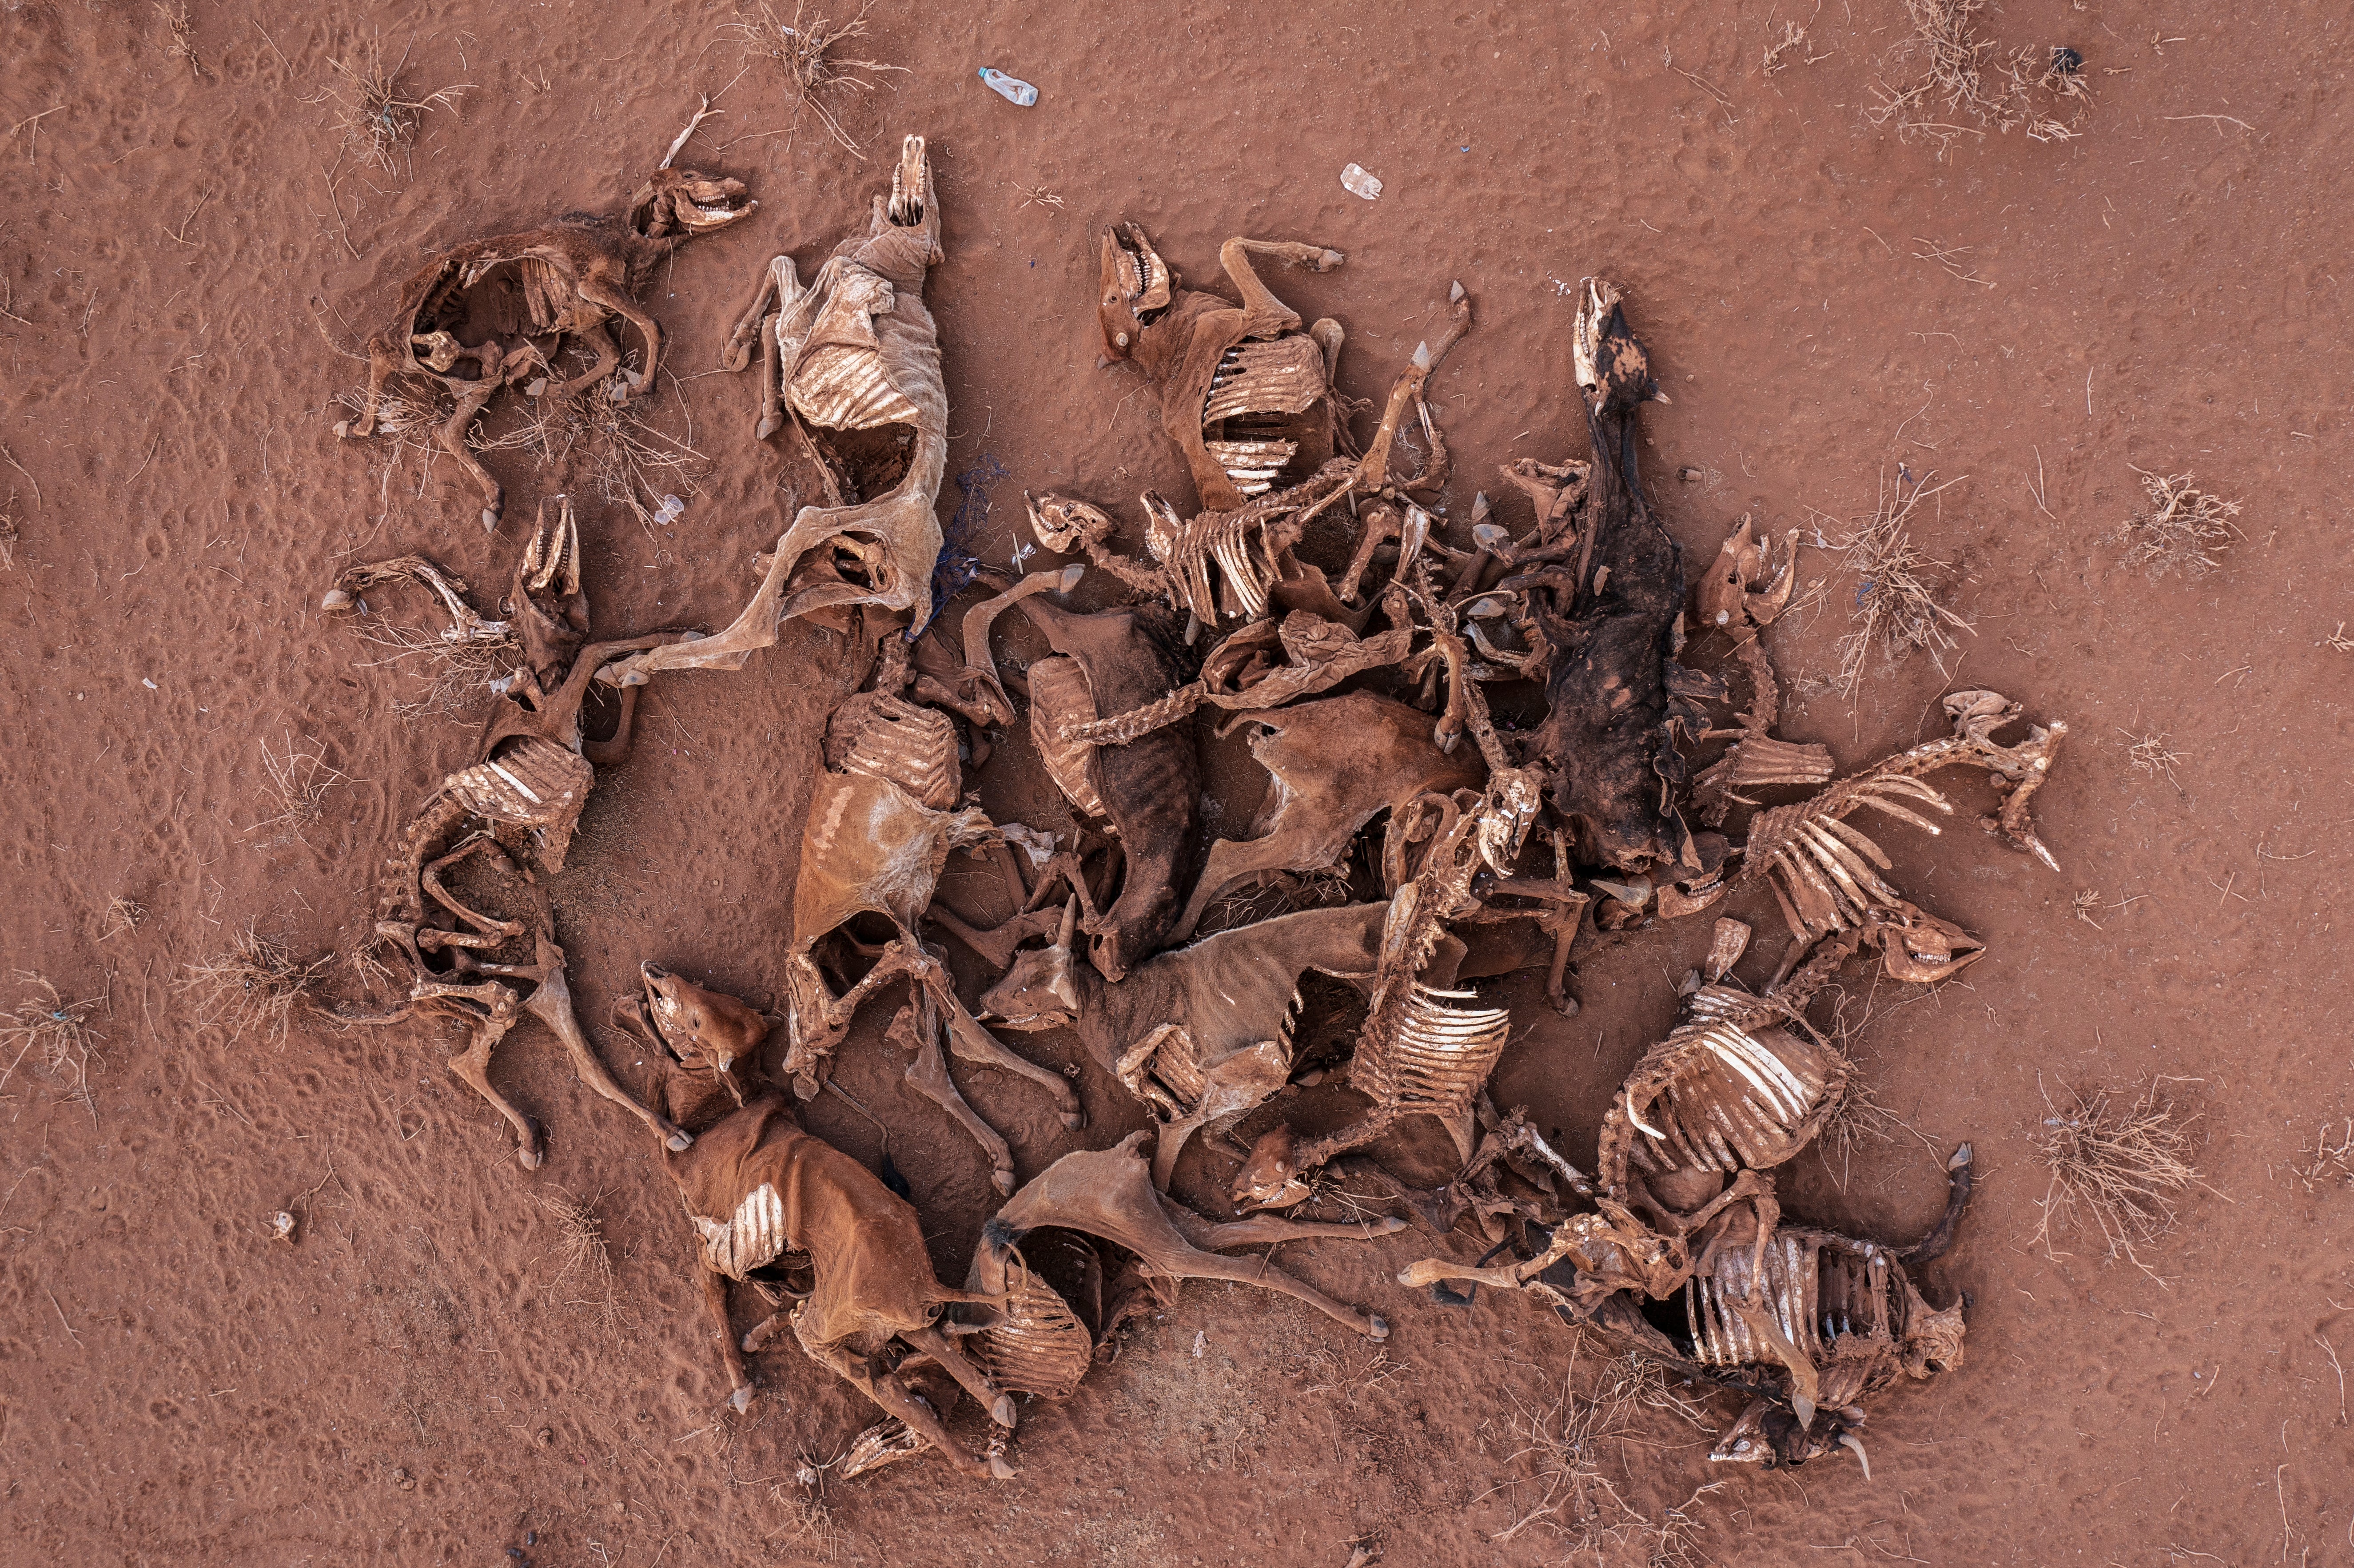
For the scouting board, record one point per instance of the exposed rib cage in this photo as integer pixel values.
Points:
(1726, 1099)
(1275, 376)
(1438, 1058)
(1061, 698)
(534, 783)
(1760, 762)
(844, 386)
(753, 1236)
(1821, 867)
(1818, 1289)
(1235, 541)
(884, 735)
(1039, 1346)
(1254, 466)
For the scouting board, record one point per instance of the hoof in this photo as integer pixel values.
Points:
(336, 599)
(490, 519)
(1003, 1411)
(1379, 1329)
(344, 430)
(999, 1471)
(767, 427)
(1004, 1181)
(1075, 1121)
(741, 1400)
(1389, 1226)
(679, 1142)
(530, 1156)
(1326, 262)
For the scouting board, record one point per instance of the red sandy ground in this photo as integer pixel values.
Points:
(176, 1387)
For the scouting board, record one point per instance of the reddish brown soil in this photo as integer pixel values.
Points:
(417, 1380)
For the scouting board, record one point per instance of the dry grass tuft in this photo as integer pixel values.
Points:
(1039, 195)
(581, 1239)
(1561, 1455)
(2328, 1163)
(2087, 899)
(1898, 585)
(2184, 529)
(182, 45)
(1964, 84)
(2120, 1168)
(254, 987)
(122, 915)
(2151, 754)
(8, 533)
(56, 1032)
(299, 779)
(818, 76)
(378, 121)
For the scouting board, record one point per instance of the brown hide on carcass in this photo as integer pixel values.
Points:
(572, 276)
(1335, 765)
(1608, 617)
(1151, 787)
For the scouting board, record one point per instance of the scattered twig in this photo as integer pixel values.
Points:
(376, 118)
(47, 1025)
(122, 915)
(300, 780)
(1897, 589)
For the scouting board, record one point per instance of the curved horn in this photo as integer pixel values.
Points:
(1849, 1440)
(1070, 923)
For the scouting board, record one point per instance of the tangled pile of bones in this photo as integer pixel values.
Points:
(1500, 735)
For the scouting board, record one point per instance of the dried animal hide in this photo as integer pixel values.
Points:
(884, 735)
(484, 303)
(1201, 1034)
(856, 353)
(1605, 617)
(1231, 381)
(1150, 787)
(1821, 867)
(1109, 1194)
(756, 1186)
(1334, 765)
(869, 845)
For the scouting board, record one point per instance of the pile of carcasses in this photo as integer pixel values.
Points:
(1480, 738)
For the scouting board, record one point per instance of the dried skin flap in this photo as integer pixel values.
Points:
(869, 844)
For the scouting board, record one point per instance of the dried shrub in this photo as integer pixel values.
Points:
(1964, 84)
(122, 915)
(254, 987)
(580, 1240)
(376, 118)
(1561, 1455)
(456, 675)
(55, 1033)
(2183, 530)
(2122, 1169)
(819, 77)
(299, 782)
(1898, 585)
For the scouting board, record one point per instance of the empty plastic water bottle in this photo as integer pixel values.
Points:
(1360, 182)
(667, 512)
(1013, 89)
